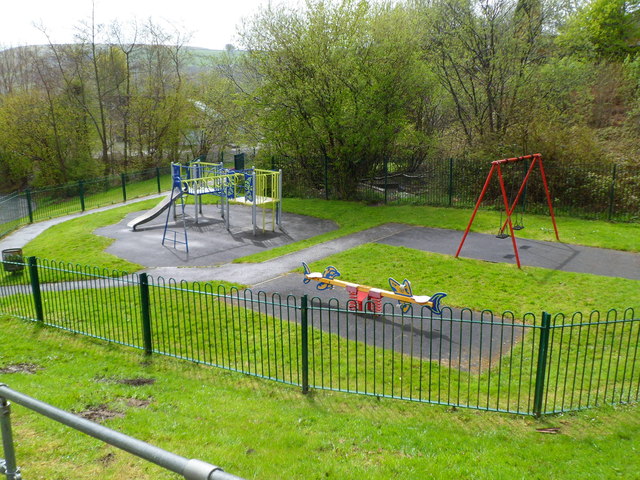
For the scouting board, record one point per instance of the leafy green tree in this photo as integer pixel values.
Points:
(158, 107)
(603, 29)
(44, 135)
(333, 85)
(217, 117)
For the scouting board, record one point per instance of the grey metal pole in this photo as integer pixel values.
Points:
(228, 212)
(189, 469)
(254, 218)
(8, 466)
(175, 207)
(279, 212)
(196, 199)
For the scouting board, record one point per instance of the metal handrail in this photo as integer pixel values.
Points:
(190, 469)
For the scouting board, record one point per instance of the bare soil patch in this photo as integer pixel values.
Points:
(99, 413)
(136, 382)
(29, 368)
(138, 402)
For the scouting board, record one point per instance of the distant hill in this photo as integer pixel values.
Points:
(202, 58)
(198, 58)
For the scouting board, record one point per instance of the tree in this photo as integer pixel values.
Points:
(603, 29)
(158, 106)
(126, 42)
(14, 69)
(42, 139)
(485, 53)
(216, 117)
(79, 66)
(333, 84)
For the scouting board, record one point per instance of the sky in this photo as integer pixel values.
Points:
(211, 23)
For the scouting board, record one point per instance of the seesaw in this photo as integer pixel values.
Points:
(372, 297)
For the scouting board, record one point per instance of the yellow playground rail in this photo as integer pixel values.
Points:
(262, 189)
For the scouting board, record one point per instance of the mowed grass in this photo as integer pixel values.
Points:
(482, 285)
(468, 283)
(352, 217)
(75, 242)
(259, 429)
(262, 430)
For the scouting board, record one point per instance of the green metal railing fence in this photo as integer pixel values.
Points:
(33, 205)
(534, 365)
(588, 190)
(583, 189)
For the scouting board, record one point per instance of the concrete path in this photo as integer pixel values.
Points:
(211, 245)
(213, 248)
(24, 235)
(255, 274)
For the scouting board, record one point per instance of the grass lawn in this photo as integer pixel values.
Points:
(61, 242)
(260, 429)
(468, 283)
(482, 285)
(74, 242)
(257, 429)
(352, 217)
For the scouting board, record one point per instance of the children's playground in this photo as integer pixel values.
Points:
(190, 238)
(211, 216)
(247, 218)
(260, 189)
(377, 309)
(185, 230)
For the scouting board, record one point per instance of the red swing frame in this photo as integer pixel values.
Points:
(496, 165)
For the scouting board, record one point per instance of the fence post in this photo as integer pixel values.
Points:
(386, 177)
(29, 206)
(8, 467)
(123, 179)
(81, 193)
(304, 325)
(158, 178)
(145, 314)
(543, 347)
(612, 191)
(326, 177)
(451, 181)
(35, 288)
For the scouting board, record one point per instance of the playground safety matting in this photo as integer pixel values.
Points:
(533, 253)
(210, 243)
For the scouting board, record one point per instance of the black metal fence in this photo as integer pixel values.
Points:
(581, 189)
(530, 365)
(33, 205)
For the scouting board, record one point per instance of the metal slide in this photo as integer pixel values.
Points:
(155, 211)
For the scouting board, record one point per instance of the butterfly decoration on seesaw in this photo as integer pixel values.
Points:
(371, 297)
